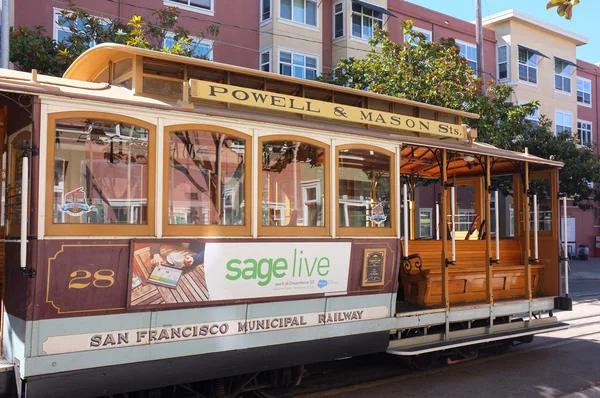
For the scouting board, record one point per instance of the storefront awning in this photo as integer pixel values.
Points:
(374, 8)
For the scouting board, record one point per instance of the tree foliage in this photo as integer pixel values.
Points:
(564, 8)
(435, 73)
(32, 48)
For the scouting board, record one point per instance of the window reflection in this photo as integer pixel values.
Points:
(293, 189)
(364, 188)
(100, 172)
(206, 178)
(540, 187)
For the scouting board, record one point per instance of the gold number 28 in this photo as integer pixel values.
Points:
(102, 279)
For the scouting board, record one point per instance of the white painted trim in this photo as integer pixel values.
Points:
(159, 178)
(334, 195)
(254, 189)
(198, 10)
(556, 111)
(591, 131)
(518, 15)
(42, 171)
(351, 13)
(398, 210)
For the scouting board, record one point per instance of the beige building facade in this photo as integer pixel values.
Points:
(539, 60)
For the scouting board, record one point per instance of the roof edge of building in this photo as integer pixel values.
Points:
(521, 16)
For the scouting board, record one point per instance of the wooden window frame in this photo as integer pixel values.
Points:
(308, 232)
(208, 230)
(52, 229)
(365, 231)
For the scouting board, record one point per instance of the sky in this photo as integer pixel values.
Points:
(584, 21)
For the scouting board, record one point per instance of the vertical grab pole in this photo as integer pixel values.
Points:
(488, 234)
(535, 228)
(437, 220)
(497, 229)
(405, 202)
(24, 208)
(444, 234)
(565, 247)
(452, 216)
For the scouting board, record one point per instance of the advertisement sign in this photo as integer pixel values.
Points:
(167, 273)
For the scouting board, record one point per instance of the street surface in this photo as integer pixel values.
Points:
(558, 364)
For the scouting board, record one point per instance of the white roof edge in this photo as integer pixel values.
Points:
(516, 14)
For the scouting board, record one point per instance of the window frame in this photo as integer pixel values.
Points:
(556, 112)
(507, 62)
(307, 232)
(207, 11)
(344, 22)
(423, 31)
(591, 131)
(584, 80)
(58, 28)
(537, 72)
(302, 24)
(52, 229)
(260, 12)
(293, 52)
(467, 45)
(362, 16)
(270, 63)
(201, 40)
(208, 230)
(563, 77)
(364, 231)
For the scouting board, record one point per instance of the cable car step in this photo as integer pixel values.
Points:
(461, 342)
(6, 365)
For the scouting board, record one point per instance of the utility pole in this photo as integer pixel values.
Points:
(4, 34)
(479, 38)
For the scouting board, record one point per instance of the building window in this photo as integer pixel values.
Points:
(103, 180)
(338, 20)
(193, 5)
(425, 223)
(534, 118)
(297, 65)
(527, 65)
(424, 32)
(265, 61)
(293, 187)
(206, 180)
(364, 21)
(503, 64)
(201, 48)
(584, 129)
(63, 28)
(564, 122)
(584, 91)
(469, 52)
(301, 11)
(265, 10)
(365, 187)
(562, 75)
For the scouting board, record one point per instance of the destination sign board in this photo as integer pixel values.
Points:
(305, 106)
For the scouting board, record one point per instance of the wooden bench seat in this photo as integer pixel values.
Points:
(466, 279)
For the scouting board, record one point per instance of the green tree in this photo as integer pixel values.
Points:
(435, 73)
(31, 48)
(564, 8)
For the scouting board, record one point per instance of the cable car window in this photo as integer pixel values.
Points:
(100, 173)
(364, 188)
(293, 184)
(207, 179)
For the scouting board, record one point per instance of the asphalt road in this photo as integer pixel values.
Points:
(560, 364)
